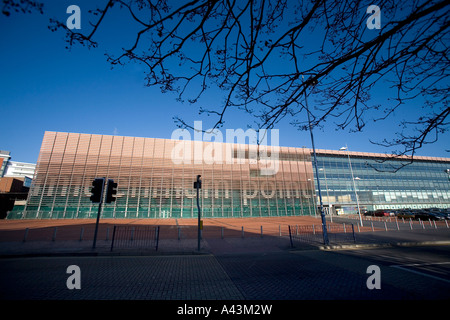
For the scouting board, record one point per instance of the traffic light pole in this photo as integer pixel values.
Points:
(98, 214)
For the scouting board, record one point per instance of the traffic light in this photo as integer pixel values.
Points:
(111, 190)
(97, 190)
(198, 183)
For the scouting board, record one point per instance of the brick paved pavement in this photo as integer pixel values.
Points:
(303, 275)
(310, 274)
(235, 268)
(122, 278)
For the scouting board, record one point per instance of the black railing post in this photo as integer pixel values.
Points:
(353, 232)
(290, 237)
(113, 236)
(157, 237)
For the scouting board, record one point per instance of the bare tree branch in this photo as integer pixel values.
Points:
(257, 51)
(21, 6)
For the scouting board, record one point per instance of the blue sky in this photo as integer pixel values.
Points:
(45, 87)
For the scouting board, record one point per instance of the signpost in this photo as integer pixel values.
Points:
(198, 186)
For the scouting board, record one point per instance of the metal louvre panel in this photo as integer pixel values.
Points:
(155, 178)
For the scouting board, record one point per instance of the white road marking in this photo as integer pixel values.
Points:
(404, 267)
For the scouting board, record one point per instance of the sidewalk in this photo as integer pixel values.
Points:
(217, 246)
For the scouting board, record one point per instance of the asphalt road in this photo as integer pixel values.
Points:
(405, 273)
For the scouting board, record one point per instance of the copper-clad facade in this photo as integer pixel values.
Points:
(155, 179)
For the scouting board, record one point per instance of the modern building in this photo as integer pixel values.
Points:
(155, 179)
(376, 181)
(4, 158)
(23, 170)
(15, 181)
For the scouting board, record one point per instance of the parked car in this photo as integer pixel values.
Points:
(445, 214)
(406, 215)
(437, 215)
(383, 213)
(422, 215)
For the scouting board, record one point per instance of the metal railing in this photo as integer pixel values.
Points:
(143, 237)
(312, 234)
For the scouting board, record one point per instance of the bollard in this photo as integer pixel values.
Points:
(54, 234)
(279, 229)
(25, 235)
(435, 224)
(353, 232)
(157, 237)
(358, 227)
(385, 226)
(396, 221)
(81, 234)
(314, 230)
(113, 236)
(178, 233)
(296, 229)
(290, 237)
(221, 232)
(345, 230)
(371, 222)
(446, 223)
(242, 228)
(132, 234)
(261, 231)
(410, 223)
(430, 222)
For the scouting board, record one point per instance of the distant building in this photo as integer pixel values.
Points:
(12, 185)
(15, 182)
(20, 170)
(4, 158)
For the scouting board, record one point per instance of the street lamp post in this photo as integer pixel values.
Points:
(311, 185)
(447, 171)
(354, 185)
(328, 194)
(322, 215)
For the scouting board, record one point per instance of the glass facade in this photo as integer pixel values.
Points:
(155, 179)
(421, 184)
